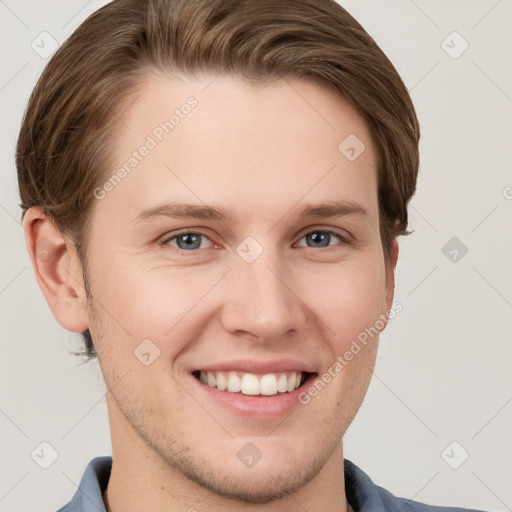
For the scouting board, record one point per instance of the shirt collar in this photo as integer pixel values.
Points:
(362, 494)
(88, 497)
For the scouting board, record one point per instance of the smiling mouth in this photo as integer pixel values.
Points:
(244, 383)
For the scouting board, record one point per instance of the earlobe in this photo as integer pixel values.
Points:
(55, 266)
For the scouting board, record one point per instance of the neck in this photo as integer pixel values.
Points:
(142, 480)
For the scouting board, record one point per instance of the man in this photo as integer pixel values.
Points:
(218, 188)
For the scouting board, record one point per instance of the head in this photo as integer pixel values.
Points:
(260, 110)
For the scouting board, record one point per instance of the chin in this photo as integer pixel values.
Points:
(259, 484)
(280, 471)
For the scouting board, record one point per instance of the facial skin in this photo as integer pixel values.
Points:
(262, 153)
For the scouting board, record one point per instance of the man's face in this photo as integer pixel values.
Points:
(290, 294)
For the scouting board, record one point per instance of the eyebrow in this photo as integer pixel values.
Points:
(193, 211)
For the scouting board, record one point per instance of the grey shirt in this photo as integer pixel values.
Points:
(362, 494)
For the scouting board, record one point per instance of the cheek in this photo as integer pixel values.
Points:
(161, 303)
(347, 299)
(138, 296)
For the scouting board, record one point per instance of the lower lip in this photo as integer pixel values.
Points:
(259, 406)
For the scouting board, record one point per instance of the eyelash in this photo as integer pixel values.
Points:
(165, 242)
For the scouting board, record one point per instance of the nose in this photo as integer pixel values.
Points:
(260, 300)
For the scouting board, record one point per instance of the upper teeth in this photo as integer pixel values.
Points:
(250, 384)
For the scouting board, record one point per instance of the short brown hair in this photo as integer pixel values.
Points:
(63, 150)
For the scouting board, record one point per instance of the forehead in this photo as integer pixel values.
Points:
(210, 138)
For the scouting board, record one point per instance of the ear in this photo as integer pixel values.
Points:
(390, 275)
(57, 270)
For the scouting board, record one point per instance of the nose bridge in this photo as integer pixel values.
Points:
(260, 300)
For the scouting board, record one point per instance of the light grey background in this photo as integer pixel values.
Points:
(444, 369)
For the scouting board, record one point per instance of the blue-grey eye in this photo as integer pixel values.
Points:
(188, 241)
(320, 238)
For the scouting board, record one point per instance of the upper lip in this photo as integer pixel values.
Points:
(261, 367)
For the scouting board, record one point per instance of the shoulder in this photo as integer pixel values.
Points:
(405, 505)
(365, 496)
